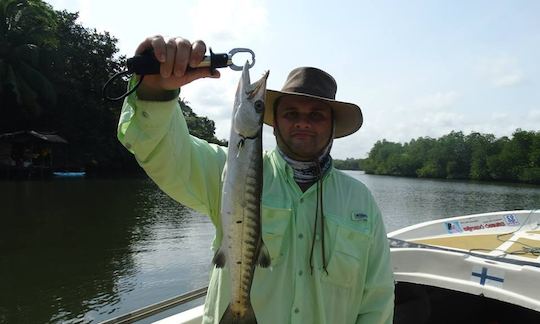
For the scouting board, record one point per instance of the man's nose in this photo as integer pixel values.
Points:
(302, 122)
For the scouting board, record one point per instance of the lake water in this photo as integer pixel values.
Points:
(86, 250)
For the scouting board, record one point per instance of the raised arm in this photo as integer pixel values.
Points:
(153, 128)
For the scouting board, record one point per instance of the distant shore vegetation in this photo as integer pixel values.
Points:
(456, 156)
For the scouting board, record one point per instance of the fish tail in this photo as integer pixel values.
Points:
(230, 318)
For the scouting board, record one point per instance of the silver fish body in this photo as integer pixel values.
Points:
(242, 248)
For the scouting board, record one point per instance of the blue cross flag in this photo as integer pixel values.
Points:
(485, 276)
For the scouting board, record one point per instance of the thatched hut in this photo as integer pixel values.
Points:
(27, 153)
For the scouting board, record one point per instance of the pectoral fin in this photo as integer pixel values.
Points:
(219, 259)
(264, 256)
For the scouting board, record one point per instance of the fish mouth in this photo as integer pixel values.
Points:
(258, 86)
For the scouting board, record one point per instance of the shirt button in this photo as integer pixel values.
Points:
(145, 114)
(296, 310)
(300, 236)
(317, 237)
(301, 200)
(300, 272)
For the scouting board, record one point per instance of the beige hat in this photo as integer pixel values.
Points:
(314, 83)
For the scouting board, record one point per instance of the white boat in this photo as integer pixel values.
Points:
(482, 268)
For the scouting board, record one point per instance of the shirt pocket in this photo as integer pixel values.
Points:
(347, 265)
(275, 222)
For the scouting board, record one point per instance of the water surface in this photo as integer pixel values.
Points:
(86, 250)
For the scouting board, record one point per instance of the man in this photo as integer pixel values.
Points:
(323, 229)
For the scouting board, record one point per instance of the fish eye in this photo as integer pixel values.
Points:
(259, 106)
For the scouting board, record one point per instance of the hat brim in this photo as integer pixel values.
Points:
(348, 116)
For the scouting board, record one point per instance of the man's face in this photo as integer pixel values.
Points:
(305, 126)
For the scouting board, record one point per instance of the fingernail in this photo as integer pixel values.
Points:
(162, 58)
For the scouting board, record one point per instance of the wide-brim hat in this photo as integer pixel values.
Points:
(314, 83)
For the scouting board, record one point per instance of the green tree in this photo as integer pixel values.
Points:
(200, 127)
(417, 154)
(511, 163)
(481, 146)
(455, 156)
(435, 161)
(347, 164)
(527, 148)
(26, 29)
(78, 68)
(382, 158)
(431, 169)
(500, 163)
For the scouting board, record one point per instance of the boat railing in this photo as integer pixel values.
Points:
(157, 308)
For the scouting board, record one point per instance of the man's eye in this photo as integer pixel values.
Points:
(316, 116)
(290, 115)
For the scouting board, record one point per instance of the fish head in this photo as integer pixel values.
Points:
(249, 104)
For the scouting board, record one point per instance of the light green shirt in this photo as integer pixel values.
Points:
(359, 286)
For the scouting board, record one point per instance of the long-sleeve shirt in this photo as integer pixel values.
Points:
(358, 286)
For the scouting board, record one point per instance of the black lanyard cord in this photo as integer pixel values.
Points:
(116, 76)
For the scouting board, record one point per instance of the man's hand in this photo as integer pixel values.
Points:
(175, 56)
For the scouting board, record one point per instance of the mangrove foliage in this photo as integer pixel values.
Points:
(457, 156)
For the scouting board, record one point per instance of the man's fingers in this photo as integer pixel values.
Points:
(160, 48)
(147, 43)
(166, 68)
(157, 43)
(198, 49)
(182, 56)
(178, 59)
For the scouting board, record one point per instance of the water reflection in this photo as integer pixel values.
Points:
(63, 247)
(82, 251)
(73, 250)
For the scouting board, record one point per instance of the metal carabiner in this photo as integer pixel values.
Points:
(221, 60)
(240, 50)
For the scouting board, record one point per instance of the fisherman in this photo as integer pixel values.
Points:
(330, 261)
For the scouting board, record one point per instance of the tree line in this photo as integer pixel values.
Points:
(348, 164)
(52, 70)
(457, 156)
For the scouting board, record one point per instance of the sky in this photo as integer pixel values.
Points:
(416, 68)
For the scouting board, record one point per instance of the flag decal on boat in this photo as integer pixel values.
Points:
(511, 220)
(485, 276)
(453, 227)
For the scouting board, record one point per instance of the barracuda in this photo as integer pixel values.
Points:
(242, 247)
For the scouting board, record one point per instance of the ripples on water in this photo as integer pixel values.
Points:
(82, 251)
(406, 201)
